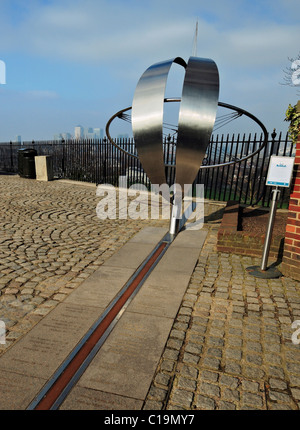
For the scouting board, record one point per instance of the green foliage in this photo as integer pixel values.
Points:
(293, 117)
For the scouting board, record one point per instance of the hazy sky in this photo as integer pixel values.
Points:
(71, 62)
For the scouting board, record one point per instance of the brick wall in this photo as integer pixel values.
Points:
(231, 240)
(291, 255)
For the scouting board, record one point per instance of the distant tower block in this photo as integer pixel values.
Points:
(78, 132)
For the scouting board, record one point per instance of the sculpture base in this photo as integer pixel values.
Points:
(269, 273)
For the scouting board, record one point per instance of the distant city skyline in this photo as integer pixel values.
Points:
(81, 132)
(84, 133)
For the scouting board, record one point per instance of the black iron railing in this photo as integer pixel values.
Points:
(98, 161)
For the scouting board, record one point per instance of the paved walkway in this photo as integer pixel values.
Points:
(230, 345)
(50, 241)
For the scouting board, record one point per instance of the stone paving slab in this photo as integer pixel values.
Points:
(86, 399)
(44, 348)
(28, 365)
(148, 235)
(101, 287)
(127, 361)
(161, 294)
(17, 390)
(125, 364)
(130, 255)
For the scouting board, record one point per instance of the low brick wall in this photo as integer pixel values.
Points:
(291, 256)
(231, 240)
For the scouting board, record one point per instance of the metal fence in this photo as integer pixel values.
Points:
(98, 161)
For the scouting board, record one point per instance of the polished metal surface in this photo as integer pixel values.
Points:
(147, 118)
(197, 116)
(119, 114)
(142, 274)
(268, 237)
(209, 166)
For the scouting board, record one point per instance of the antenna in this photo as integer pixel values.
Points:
(194, 51)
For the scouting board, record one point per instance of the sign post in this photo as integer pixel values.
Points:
(267, 244)
(279, 175)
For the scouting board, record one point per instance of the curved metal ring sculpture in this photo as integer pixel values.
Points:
(170, 100)
(197, 115)
(198, 107)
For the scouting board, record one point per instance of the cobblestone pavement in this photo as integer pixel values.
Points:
(50, 241)
(230, 346)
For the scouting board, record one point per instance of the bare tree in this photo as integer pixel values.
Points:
(292, 73)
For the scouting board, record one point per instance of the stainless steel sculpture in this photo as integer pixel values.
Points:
(197, 115)
(199, 103)
(198, 108)
(147, 119)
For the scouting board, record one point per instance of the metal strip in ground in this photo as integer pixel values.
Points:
(58, 387)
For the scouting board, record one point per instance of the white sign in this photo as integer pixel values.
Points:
(280, 171)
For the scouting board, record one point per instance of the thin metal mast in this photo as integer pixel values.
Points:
(194, 51)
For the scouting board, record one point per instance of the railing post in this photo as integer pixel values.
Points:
(274, 148)
(63, 160)
(11, 157)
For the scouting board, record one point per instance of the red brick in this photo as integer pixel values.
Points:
(290, 228)
(292, 235)
(294, 208)
(286, 254)
(295, 196)
(293, 222)
(288, 247)
(296, 249)
(297, 243)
